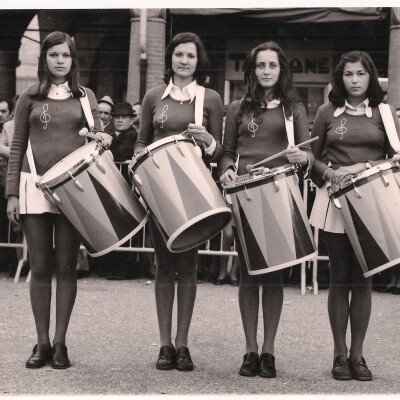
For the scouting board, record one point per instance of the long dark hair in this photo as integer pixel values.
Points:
(254, 97)
(44, 76)
(202, 60)
(338, 94)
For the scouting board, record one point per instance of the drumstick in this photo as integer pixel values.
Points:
(251, 166)
(97, 138)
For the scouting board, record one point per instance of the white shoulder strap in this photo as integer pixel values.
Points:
(289, 128)
(390, 127)
(87, 110)
(198, 105)
(31, 162)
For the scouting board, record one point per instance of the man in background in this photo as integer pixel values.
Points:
(106, 108)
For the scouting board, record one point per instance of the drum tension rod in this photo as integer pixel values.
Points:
(179, 146)
(356, 190)
(276, 184)
(76, 182)
(333, 199)
(383, 177)
(154, 160)
(247, 193)
(98, 164)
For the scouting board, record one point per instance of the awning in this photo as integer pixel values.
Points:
(298, 15)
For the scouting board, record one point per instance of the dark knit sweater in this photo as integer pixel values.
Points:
(348, 139)
(167, 117)
(270, 137)
(53, 128)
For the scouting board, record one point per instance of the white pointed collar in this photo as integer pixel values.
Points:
(188, 92)
(364, 105)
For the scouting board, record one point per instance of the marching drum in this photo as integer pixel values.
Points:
(271, 219)
(180, 192)
(369, 207)
(89, 190)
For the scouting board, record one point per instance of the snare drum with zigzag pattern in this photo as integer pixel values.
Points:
(271, 220)
(89, 190)
(369, 207)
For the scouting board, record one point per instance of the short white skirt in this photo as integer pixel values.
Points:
(324, 214)
(31, 199)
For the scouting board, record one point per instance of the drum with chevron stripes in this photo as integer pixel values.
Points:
(369, 207)
(180, 192)
(87, 187)
(271, 219)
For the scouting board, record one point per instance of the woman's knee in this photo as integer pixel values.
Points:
(41, 272)
(66, 271)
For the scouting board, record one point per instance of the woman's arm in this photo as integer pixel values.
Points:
(215, 124)
(146, 129)
(320, 168)
(230, 141)
(19, 144)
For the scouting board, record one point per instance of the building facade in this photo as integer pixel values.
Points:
(121, 51)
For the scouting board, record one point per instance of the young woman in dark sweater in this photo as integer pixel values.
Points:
(351, 137)
(49, 115)
(255, 129)
(169, 110)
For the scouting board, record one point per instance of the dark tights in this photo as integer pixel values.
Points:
(39, 230)
(346, 277)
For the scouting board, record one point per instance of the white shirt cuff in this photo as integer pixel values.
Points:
(210, 150)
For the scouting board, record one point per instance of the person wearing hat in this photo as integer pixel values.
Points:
(106, 107)
(125, 135)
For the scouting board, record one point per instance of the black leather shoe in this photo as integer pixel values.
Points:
(341, 369)
(166, 358)
(360, 371)
(183, 359)
(60, 358)
(267, 366)
(250, 365)
(41, 354)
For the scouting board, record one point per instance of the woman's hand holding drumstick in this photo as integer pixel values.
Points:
(98, 136)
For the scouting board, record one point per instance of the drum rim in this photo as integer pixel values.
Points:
(360, 180)
(287, 264)
(76, 170)
(124, 239)
(255, 180)
(154, 147)
(193, 221)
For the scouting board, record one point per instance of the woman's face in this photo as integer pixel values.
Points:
(184, 60)
(356, 81)
(59, 62)
(267, 68)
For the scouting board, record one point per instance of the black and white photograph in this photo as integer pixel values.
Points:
(199, 202)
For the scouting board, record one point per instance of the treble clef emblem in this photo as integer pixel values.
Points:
(341, 130)
(44, 117)
(252, 126)
(163, 116)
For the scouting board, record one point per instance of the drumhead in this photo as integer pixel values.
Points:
(74, 162)
(263, 174)
(157, 146)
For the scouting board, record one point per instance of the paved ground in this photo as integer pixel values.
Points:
(113, 345)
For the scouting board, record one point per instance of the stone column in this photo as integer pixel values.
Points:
(155, 50)
(8, 64)
(394, 57)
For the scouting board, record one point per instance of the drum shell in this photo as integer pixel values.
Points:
(180, 192)
(369, 209)
(271, 221)
(95, 198)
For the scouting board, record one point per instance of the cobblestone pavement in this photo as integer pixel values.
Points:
(113, 345)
